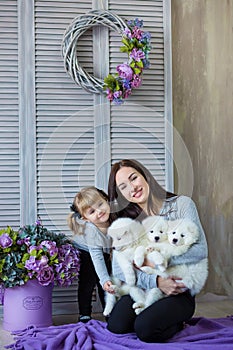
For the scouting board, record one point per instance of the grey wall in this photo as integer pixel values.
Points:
(202, 46)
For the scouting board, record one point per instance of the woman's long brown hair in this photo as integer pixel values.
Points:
(120, 207)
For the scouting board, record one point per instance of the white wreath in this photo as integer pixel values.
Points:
(70, 43)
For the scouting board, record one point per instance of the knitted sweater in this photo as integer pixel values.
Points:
(96, 243)
(173, 208)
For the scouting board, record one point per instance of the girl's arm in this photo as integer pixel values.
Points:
(96, 245)
(99, 264)
(186, 208)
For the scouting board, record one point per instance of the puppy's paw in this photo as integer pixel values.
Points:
(138, 304)
(147, 269)
(138, 307)
(150, 249)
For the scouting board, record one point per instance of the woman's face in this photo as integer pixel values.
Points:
(132, 186)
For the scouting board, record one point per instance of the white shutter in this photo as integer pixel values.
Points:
(138, 128)
(56, 137)
(9, 123)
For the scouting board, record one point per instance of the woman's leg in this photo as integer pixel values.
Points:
(163, 319)
(122, 317)
(86, 284)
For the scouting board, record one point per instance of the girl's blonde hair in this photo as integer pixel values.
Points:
(83, 200)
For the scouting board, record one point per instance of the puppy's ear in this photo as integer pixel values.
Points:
(192, 227)
(150, 221)
(136, 226)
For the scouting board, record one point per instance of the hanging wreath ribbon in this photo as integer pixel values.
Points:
(119, 86)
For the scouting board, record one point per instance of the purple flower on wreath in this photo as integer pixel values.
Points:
(118, 101)
(136, 81)
(146, 63)
(125, 71)
(126, 84)
(127, 32)
(138, 22)
(5, 241)
(146, 37)
(137, 55)
(117, 94)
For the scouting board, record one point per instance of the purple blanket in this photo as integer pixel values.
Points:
(199, 334)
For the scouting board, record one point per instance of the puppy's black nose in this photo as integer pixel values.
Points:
(156, 238)
(113, 248)
(175, 240)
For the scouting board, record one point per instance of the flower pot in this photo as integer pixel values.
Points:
(30, 304)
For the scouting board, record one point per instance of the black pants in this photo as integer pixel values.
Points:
(88, 279)
(155, 324)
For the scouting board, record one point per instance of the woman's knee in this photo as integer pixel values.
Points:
(152, 333)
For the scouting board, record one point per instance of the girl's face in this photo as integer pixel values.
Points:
(98, 213)
(132, 186)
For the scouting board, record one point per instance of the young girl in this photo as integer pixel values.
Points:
(89, 221)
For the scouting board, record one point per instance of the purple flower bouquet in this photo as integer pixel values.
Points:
(33, 252)
(136, 43)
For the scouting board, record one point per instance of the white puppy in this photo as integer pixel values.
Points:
(156, 228)
(181, 235)
(120, 288)
(129, 241)
(127, 235)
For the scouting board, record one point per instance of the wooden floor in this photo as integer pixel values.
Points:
(208, 306)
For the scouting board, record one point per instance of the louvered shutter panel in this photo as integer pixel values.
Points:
(65, 126)
(72, 136)
(138, 128)
(9, 123)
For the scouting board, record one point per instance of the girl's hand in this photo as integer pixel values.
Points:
(171, 285)
(108, 287)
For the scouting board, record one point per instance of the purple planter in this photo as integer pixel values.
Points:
(30, 304)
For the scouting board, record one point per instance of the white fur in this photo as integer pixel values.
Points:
(166, 238)
(129, 242)
(120, 289)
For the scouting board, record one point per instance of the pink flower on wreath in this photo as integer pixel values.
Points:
(127, 93)
(125, 71)
(137, 33)
(136, 81)
(109, 94)
(128, 33)
(137, 55)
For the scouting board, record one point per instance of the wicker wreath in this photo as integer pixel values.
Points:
(70, 43)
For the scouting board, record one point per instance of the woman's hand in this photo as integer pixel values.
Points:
(171, 285)
(108, 287)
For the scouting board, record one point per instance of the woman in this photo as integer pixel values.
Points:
(136, 194)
